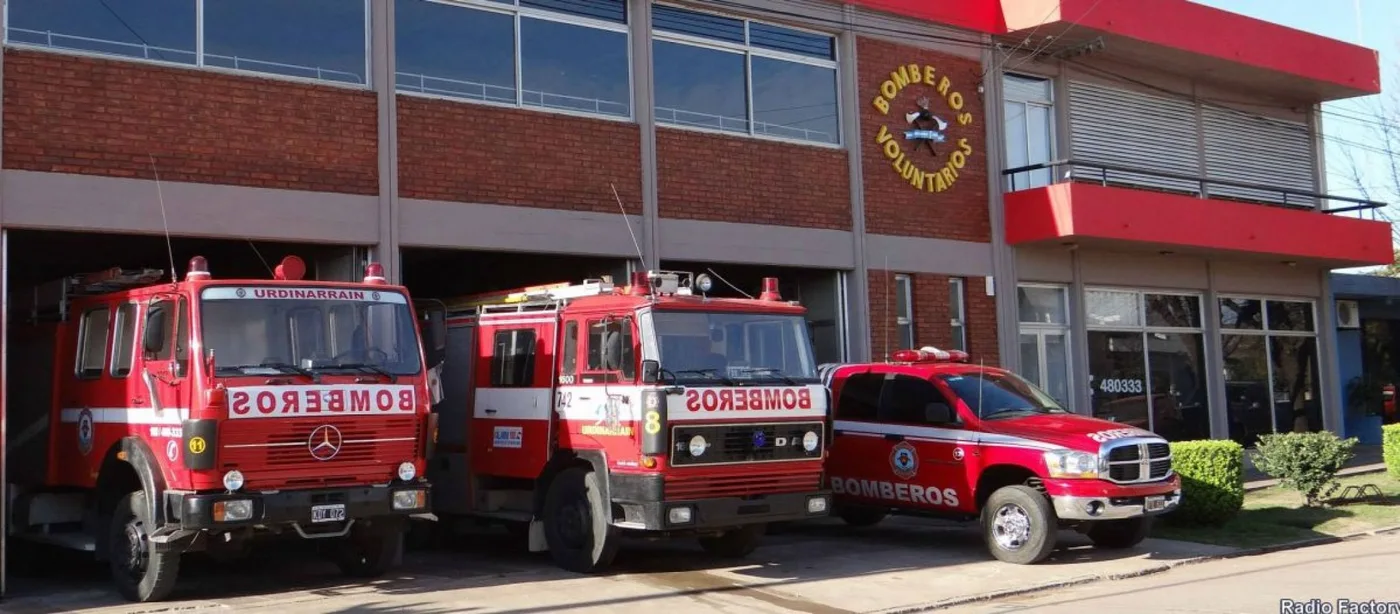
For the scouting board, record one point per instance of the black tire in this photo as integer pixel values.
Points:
(578, 522)
(1019, 525)
(735, 543)
(141, 573)
(371, 549)
(1119, 534)
(861, 516)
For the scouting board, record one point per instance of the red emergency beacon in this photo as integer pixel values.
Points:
(199, 269)
(930, 354)
(291, 268)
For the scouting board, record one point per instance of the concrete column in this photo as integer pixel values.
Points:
(858, 287)
(1330, 386)
(4, 340)
(1215, 361)
(1081, 391)
(1003, 255)
(381, 51)
(644, 110)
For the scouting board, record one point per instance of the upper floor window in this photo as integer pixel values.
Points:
(569, 55)
(957, 311)
(743, 76)
(321, 40)
(1030, 131)
(904, 311)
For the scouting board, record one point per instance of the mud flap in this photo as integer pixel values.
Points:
(537, 540)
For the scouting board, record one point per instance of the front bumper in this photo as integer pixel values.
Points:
(195, 512)
(644, 507)
(1098, 500)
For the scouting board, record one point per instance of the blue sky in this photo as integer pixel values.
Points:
(1349, 125)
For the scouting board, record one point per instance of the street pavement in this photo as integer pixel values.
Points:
(1358, 571)
(817, 568)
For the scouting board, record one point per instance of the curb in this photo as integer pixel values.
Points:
(1149, 571)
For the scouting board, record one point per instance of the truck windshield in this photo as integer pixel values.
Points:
(1001, 395)
(734, 348)
(262, 330)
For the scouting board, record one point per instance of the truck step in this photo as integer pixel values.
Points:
(70, 540)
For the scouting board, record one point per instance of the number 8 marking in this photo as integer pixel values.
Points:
(653, 422)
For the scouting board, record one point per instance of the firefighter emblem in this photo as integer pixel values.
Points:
(85, 433)
(904, 460)
(925, 128)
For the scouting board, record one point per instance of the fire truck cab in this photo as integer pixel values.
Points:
(174, 416)
(581, 413)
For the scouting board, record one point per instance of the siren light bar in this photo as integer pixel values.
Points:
(929, 353)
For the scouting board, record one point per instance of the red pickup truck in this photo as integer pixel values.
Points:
(929, 434)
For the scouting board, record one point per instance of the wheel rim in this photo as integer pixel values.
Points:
(133, 563)
(574, 523)
(1011, 527)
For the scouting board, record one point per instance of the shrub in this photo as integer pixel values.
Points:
(1305, 462)
(1391, 448)
(1212, 481)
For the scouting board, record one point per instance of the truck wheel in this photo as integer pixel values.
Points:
(861, 516)
(371, 549)
(578, 522)
(141, 572)
(1019, 525)
(1119, 534)
(734, 543)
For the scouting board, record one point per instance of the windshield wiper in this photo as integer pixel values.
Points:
(714, 373)
(365, 367)
(282, 366)
(778, 373)
(1009, 411)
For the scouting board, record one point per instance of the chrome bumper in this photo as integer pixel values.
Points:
(1110, 508)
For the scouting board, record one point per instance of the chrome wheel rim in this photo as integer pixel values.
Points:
(1011, 527)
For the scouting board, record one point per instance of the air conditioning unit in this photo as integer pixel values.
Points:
(1348, 314)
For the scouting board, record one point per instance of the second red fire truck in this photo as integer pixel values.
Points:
(582, 412)
(158, 417)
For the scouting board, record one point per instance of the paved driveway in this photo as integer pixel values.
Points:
(819, 568)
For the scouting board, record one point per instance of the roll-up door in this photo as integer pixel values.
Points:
(1250, 149)
(1131, 129)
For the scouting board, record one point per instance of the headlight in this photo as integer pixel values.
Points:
(810, 441)
(407, 471)
(233, 480)
(678, 515)
(1072, 464)
(698, 445)
(410, 499)
(816, 505)
(236, 510)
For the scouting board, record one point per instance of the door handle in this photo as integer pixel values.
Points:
(490, 411)
(894, 437)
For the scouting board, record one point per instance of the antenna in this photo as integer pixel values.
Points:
(260, 257)
(169, 249)
(889, 281)
(628, 222)
(726, 282)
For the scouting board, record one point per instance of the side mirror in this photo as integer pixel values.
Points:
(938, 413)
(651, 371)
(612, 351)
(437, 330)
(153, 339)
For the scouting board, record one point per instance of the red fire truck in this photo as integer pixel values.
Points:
(928, 434)
(195, 415)
(581, 413)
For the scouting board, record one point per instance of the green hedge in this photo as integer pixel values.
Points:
(1212, 481)
(1392, 449)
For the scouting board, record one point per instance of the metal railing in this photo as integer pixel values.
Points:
(1083, 171)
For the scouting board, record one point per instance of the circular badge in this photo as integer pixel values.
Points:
(957, 454)
(240, 293)
(904, 460)
(85, 432)
(172, 450)
(374, 295)
(197, 445)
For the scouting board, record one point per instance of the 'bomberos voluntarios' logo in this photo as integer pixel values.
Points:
(925, 128)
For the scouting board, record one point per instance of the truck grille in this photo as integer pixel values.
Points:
(680, 487)
(746, 443)
(275, 453)
(1131, 463)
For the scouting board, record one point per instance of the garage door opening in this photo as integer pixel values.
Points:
(821, 291)
(444, 274)
(36, 259)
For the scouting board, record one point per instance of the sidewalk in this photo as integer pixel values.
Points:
(1366, 460)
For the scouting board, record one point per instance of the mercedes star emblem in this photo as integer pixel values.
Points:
(324, 442)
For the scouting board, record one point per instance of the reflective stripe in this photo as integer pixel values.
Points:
(126, 415)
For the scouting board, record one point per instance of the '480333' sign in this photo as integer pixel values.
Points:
(1121, 386)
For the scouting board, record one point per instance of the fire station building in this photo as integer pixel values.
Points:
(1124, 201)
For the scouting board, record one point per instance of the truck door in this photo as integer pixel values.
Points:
(857, 447)
(514, 405)
(165, 368)
(83, 403)
(929, 447)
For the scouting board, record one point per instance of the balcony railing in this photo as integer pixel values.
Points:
(1110, 175)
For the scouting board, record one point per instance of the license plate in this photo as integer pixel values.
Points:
(328, 513)
(1155, 503)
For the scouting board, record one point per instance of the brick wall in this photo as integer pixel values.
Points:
(932, 315)
(738, 179)
(465, 152)
(893, 205)
(90, 116)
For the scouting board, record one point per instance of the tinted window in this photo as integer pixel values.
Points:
(1173, 310)
(700, 87)
(454, 51)
(1290, 315)
(570, 364)
(1241, 313)
(313, 39)
(601, 335)
(907, 399)
(161, 30)
(513, 359)
(860, 397)
(1000, 394)
(557, 76)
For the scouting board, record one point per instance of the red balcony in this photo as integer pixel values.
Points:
(1096, 207)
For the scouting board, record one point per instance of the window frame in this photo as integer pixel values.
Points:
(904, 282)
(1268, 334)
(133, 344)
(81, 355)
(748, 50)
(957, 286)
(517, 12)
(508, 362)
(200, 65)
(1050, 105)
(628, 329)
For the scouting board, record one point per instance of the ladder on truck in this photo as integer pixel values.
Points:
(49, 301)
(530, 298)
